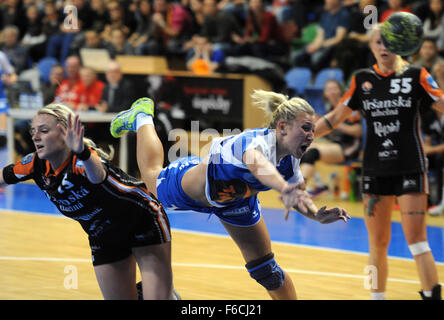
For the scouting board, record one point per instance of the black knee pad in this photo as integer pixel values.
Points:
(311, 156)
(266, 272)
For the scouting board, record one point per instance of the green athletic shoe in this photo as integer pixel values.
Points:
(126, 120)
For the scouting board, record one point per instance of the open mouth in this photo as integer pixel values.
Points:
(38, 147)
(304, 147)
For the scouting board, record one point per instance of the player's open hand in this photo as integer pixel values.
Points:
(73, 134)
(326, 216)
(294, 195)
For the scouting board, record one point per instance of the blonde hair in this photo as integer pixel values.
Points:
(279, 107)
(400, 64)
(60, 112)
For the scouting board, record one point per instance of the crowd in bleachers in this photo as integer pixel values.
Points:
(202, 33)
(47, 35)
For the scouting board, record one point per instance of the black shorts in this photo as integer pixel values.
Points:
(395, 185)
(115, 238)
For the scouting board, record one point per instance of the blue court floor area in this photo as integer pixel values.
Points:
(296, 230)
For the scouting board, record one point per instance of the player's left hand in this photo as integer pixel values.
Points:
(326, 216)
(73, 134)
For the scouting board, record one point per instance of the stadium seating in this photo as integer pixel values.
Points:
(298, 79)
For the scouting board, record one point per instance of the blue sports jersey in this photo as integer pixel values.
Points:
(231, 188)
(228, 177)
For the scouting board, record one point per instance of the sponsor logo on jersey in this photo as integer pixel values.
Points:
(432, 82)
(27, 159)
(382, 130)
(374, 104)
(387, 143)
(79, 163)
(407, 183)
(367, 87)
(388, 155)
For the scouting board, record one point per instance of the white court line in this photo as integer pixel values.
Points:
(315, 247)
(212, 266)
(299, 245)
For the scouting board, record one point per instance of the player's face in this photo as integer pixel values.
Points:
(47, 138)
(381, 53)
(299, 135)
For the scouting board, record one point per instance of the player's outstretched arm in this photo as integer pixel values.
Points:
(307, 208)
(332, 119)
(73, 135)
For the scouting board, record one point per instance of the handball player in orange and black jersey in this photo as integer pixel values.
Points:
(126, 225)
(388, 94)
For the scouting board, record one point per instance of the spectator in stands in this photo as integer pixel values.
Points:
(12, 14)
(433, 19)
(34, 39)
(145, 26)
(283, 10)
(93, 40)
(219, 27)
(91, 90)
(393, 6)
(59, 44)
(68, 92)
(356, 42)
(100, 15)
(118, 93)
(56, 77)
(118, 44)
(238, 8)
(118, 19)
(344, 143)
(333, 27)
(51, 19)
(172, 27)
(195, 10)
(204, 61)
(262, 38)
(430, 59)
(11, 46)
(197, 16)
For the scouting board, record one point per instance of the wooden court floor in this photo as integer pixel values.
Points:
(43, 257)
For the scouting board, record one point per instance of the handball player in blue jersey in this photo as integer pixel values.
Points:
(227, 181)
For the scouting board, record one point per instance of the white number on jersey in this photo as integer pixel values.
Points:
(402, 85)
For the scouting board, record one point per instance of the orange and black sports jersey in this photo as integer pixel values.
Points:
(390, 105)
(109, 202)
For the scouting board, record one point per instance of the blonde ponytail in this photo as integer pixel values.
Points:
(278, 106)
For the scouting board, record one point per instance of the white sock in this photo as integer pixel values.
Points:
(428, 294)
(143, 119)
(377, 295)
